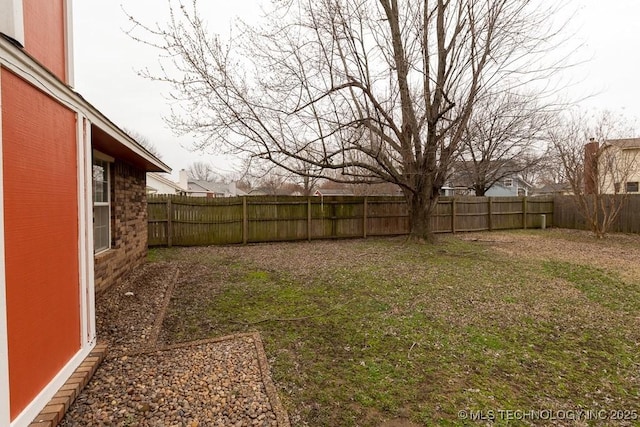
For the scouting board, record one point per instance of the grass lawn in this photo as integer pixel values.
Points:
(359, 332)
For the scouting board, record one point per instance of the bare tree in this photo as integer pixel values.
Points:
(596, 165)
(203, 171)
(377, 90)
(547, 170)
(273, 182)
(143, 141)
(502, 139)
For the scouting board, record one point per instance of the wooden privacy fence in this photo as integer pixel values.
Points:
(567, 215)
(191, 221)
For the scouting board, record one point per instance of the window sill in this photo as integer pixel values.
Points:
(102, 253)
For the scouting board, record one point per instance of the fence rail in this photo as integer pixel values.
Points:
(191, 221)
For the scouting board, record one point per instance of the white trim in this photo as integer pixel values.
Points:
(5, 410)
(68, 43)
(85, 237)
(26, 68)
(12, 19)
(101, 204)
(27, 416)
(91, 330)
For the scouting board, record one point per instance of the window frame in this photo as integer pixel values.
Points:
(105, 161)
(635, 184)
(508, 182)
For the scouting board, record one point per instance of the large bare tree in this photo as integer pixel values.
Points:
(375, 90)
(596, 164)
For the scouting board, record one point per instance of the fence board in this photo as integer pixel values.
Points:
(190, 221)
(567, 215)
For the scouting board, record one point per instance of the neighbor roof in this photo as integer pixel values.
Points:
(625, 143)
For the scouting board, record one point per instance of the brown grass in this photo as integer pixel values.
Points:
(363, 332)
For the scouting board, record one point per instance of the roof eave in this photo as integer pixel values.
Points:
(20, 62)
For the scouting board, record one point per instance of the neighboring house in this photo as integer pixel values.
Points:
(73, 214)
(451, 190)
(509, 187)
(621, 173)
(198, 188)
(161, 184)
(326, 192)
(269, 191)
(508, 183)
(554, 189)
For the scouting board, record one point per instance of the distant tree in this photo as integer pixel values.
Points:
(144, 141)
(375, 89)
(274, 181)
(202, 171)
(502, 139)
(548, 170)
(594, 166)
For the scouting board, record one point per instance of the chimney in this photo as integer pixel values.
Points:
(591, 166)
(184, 179)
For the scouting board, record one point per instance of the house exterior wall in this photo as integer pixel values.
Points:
(634, 175)
(160, 187)
(499, 190)
(47, 316)
(128, 226)
(41, 235)
(625, 168)
(44, 34)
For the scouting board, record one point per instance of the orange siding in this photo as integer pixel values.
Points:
(44, 33)
(41, 237)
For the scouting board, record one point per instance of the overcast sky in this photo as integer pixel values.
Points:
(106, 60)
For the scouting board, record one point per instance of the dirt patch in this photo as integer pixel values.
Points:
(126, 314)
(617, 251)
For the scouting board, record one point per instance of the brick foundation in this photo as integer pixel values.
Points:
(128, 226)
(53, 413)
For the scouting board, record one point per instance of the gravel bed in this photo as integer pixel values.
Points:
(220, 382)
(207, 384)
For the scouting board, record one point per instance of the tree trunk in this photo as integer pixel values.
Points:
(479, 190)
(422, 205)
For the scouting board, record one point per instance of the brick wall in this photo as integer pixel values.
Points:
(128, 226)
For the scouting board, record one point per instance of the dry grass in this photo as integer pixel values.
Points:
(361, 332)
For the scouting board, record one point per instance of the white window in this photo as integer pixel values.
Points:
(101, 205)
(508, 182)
(632, 187)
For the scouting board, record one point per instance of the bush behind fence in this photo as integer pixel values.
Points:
(191, 221)
(567, 215)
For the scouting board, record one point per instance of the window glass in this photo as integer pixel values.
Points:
(632, 187)
(101, 206)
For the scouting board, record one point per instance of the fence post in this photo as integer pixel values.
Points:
(490, 219)
(309, 218)
(245, 221)
(453, 215)
(364, 218)
(524, 212)
(169, 223)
